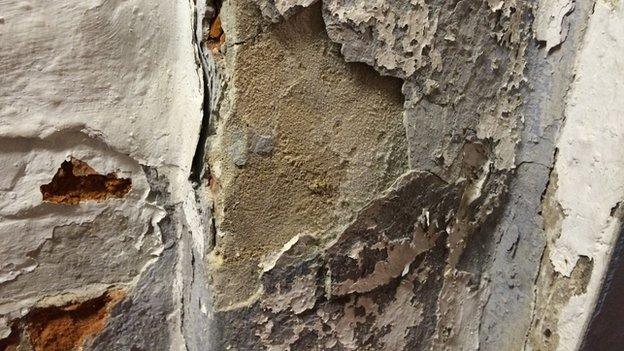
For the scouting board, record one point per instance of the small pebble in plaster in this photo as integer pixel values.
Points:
(76, 181)
(238, 149)
(262, 144)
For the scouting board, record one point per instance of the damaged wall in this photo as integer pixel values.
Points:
(301, 174)
(94, 92)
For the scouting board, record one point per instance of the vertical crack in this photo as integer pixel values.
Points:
(205, 17)
(197, 167)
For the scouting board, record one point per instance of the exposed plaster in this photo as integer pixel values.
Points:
(279, 164)
(236, 213)
(472, 152)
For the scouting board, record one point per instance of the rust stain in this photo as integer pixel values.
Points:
(76, 181)
(215, 28)
(66, 328)
(216, 37)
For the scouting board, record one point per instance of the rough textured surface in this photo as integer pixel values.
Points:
(283, 166)
(477, 114)
(310, 174)
(357, 292)
(75, 181)
(61, 328)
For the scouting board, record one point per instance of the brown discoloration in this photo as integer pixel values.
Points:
(554, 290)
(66, 328)
(216, 36)
(76, 181)
(61, 328)
(373, 276)
(554, 293)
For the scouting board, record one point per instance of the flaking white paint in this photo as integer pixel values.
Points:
(548, 25)
(590, 164)
(114, 84)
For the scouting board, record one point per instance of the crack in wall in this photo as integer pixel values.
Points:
(202, 13)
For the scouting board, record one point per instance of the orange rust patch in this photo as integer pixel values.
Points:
(66, 328)
(216, 37)
(76, 181)
(215, 28)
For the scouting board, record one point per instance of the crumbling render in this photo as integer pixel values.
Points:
(349, 292)
(62, 328)
(333, 175)
(75, 181)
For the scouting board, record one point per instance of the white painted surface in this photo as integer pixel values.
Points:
(548, 25)
(590, 163)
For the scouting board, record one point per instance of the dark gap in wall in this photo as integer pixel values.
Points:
(202, 41)
(11, 342)
(215, 37)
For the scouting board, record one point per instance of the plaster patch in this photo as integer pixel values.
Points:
(282, 165)
(401, 56)
(280, 9)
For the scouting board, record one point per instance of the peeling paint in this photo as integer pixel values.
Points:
(304, 174)
(549, 23)
(589, 173)
(115, 85)
(339, 296)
